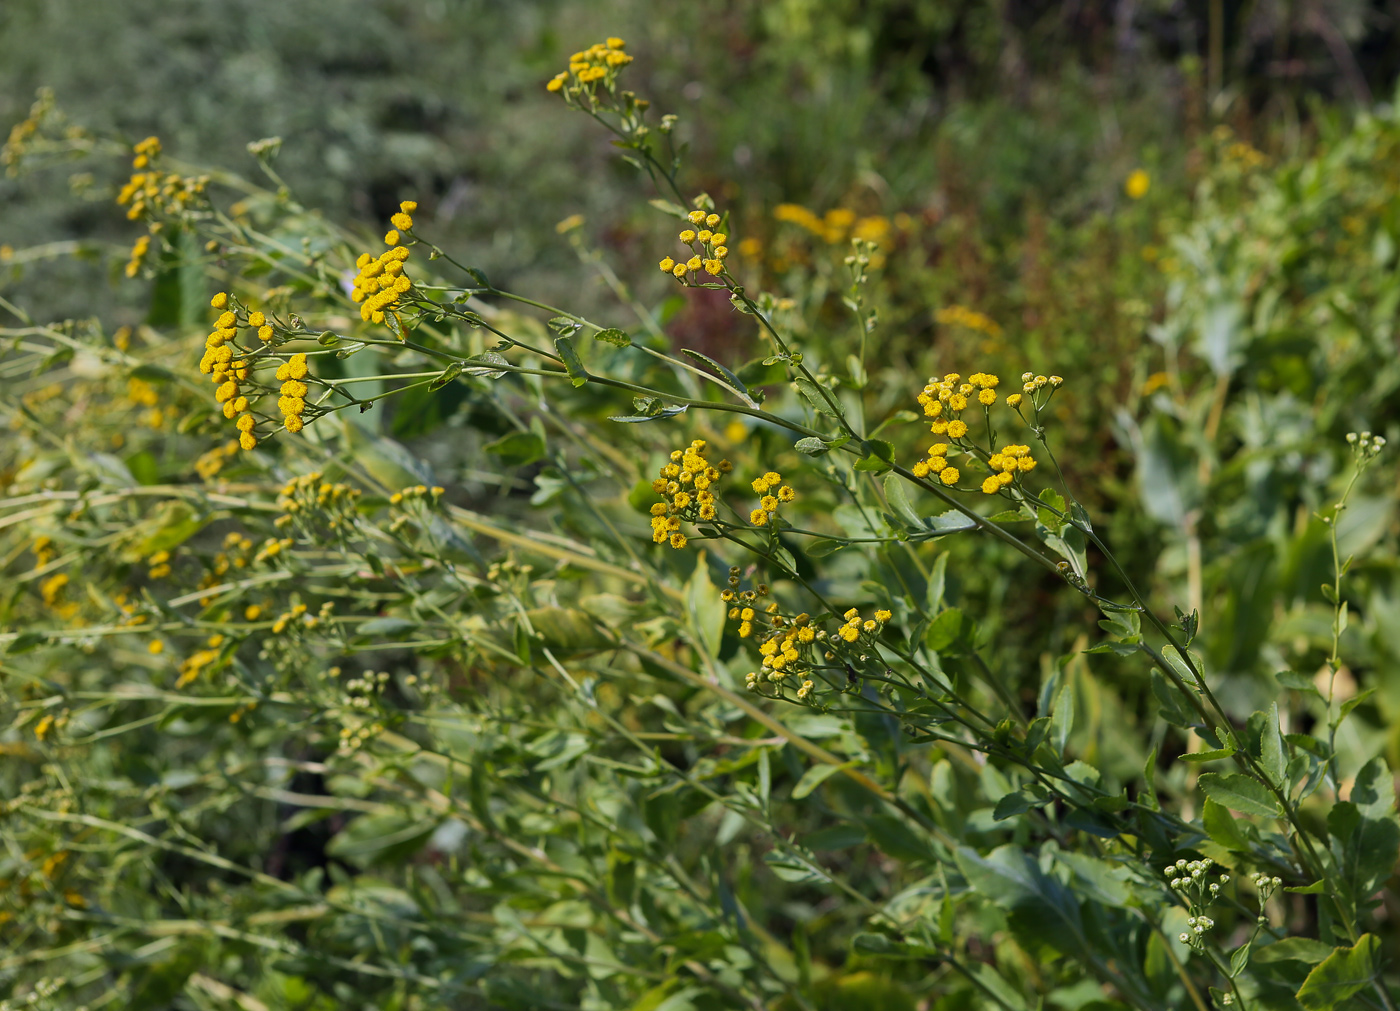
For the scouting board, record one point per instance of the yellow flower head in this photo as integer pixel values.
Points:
(949, 475)
(1137, 184)
(220, 300)
(957, 429)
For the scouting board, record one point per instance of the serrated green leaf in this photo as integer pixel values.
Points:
(1207, 756)
(1240, 793)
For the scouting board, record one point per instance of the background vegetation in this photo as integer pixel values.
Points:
(540, 814)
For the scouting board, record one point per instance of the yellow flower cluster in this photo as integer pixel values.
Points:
(686, 482)
(774, 494)
(149, 191)
(52, 590)
(855, 625)
(708, 248)
(741, 603)
(944, 400)
(961, 315)
(382, 281)
(160, 565)
(1006, 463)
(836, 224)
(1034, 384)
(197, 662)
(208, 464)
(292, 402)
(599, 62)
(139, 250)
(227, 372)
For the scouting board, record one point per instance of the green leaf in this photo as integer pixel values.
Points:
(1173, 710)
(707, 612)
(390, 837)
(1040, 908)
(487, 359)
(385, 627)
(950, 522)
(823, 546)
(1297, 682)
(448, 374)
(896, 839)
(811, 446)
(946, 629)
(1240, 793)
(1366, 849)
(1239, 959)
(875, 945)
(1208, 756)
(612, 335)
(814, 397)
(1339, 975)
(1352, 703)
(872, 465)
(518, 449)
(729, 377)
(1008, 516)
(1293, 949)
(1011, 805)
(899, 501)
(1220, 825)
(1273, 753)
(667, 207)
(636, 419)
(1049, 519)
(1062, 717)
(578, 375)
(565, 326)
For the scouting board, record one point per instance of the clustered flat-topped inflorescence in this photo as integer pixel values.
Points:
(382, 281)
(153, 195)
(238, 389)
(687, 482)
(792, 646)
(599, 63)
(774, 495)
(708, 249)
(946, 402)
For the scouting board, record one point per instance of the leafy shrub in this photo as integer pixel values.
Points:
(751, 674)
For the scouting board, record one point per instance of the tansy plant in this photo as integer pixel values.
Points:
(297, 719)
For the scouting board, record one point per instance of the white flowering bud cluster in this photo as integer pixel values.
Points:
(1366, 445)
(1264, 884)
(1185, 874)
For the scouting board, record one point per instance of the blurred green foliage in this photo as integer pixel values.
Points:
(569, 808)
